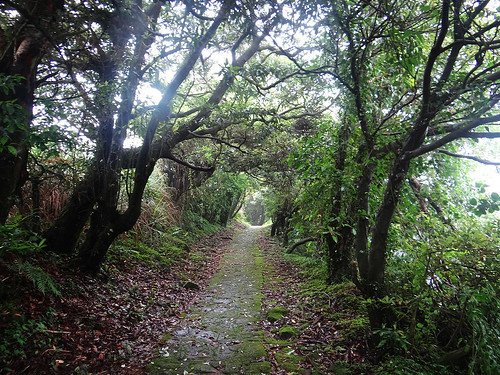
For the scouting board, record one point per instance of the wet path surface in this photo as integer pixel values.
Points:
(221, 334)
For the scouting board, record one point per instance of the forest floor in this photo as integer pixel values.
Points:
(265, 314)
(111, 324)
(232, 304)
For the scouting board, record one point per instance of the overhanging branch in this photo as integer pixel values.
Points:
(189, 165)
(475, 158)
(461, 131)
(238, 147)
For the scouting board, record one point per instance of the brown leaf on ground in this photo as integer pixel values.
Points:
(112, 326)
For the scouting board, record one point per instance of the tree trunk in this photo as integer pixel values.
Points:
(374, 285)
(96, 245)
(340, 247)
(377, 257)
(63, 235)
(340, 255)
(106, 223)
(362, 226)
(12, 167)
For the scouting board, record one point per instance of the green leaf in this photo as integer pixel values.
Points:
(495, 197)
(12, 150)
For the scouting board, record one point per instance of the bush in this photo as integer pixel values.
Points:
(23, 333)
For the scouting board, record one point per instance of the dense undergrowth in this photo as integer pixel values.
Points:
(324, 328)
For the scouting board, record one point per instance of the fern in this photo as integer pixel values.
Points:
(17, 240)
(40, 279)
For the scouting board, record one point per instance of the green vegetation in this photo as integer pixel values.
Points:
(129, 130)
(276, 313)
(24, 332)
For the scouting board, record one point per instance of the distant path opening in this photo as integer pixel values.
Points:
(221, 334)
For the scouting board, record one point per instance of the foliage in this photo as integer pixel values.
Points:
(353, 116)
(196, 225)
(15, 239)
(159, 213)
(18, 244)
(23, 333)
(254, 209)
(402, 365)
(483, 316)
(216, 201)
(12, 114)
(42, 281)
(392, 340)
(484, 203)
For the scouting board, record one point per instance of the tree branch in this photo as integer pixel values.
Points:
(475, 158)
(219, 141)
(461, 131)
(172, 157)
(434, 53)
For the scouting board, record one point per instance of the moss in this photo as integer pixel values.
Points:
(263, 367)
(162, 365)
(287, 332)
(248, 355)
(165, 338)
(165, 255)
(276, 313)
(277, 342)
(197, 257)
(354, 327)
(289, 361)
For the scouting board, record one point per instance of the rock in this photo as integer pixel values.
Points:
(276, 314)
(287, 332)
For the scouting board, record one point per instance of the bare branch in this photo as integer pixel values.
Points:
(189, 165)
(475, 158)
(219, 141)
(476, 135)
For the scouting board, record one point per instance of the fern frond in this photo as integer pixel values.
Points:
(40, 279)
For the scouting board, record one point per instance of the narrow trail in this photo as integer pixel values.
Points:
(221, 334)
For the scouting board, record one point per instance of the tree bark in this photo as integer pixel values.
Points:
(362, 226)
(63, 235)
(340, 246)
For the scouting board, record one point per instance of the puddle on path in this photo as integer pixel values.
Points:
(221, 334)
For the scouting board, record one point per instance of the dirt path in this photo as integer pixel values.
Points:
(221, 334)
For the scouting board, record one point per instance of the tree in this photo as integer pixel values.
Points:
(167, 124)
(26, 34)
(403, 97)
